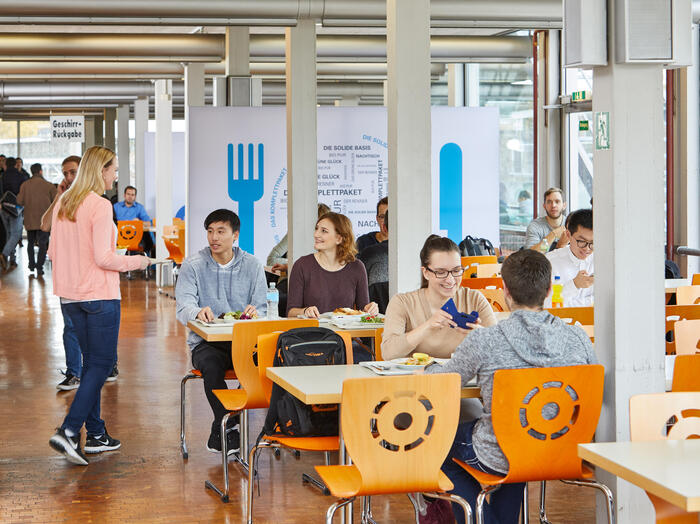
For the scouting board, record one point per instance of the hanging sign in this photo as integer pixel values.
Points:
(68, 128)
(602, 130)
(583, 125)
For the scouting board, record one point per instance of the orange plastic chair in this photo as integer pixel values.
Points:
(537, 448)
(387, 459)
(130, 235)
(696, 280)
(574, 315)
(686, 373)
(649, 420)
(251, 394)
(483, 283)
(687, 337)
(193, 374)
(178, 222)
(688, 295)
(496, 298)
(267, 345)
(674, 314)
(174, 252)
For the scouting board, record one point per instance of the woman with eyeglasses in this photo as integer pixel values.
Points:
(414, 321)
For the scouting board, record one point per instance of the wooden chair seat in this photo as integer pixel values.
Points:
(306, 443)
(232, 399)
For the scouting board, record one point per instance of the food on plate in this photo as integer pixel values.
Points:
(346, 311)
(372, 319)
(237, 315)
(419, 359)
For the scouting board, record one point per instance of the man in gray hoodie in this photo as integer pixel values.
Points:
(216, 280)
(529, 338)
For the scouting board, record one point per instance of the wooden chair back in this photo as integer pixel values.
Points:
(178, 222)
(496, 298)
(686, 373)
(696, 280)
(470, 264)
(267, 346)
(488, 270)
(392, 451)
(378, 336)
(130, 233)
(573, 315)
(688, 295)
(483, 283)
(662, 416)
(174, 252)
(687, 337)
(674, 314)
(245, 338)
(540, 448)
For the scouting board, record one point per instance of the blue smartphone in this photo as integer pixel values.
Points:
(461, 319)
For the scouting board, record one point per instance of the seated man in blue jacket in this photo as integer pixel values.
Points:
(529, 338)
(130, 209)
(218, 279)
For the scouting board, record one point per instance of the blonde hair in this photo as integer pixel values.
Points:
(89, 179)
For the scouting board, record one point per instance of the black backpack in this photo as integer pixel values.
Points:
(287, 415)
(474, 247)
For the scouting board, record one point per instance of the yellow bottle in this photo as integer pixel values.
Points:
(557, 288)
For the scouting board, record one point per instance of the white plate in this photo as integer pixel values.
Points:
(401, 363)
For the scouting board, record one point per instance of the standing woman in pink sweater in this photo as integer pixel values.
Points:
(85, 268)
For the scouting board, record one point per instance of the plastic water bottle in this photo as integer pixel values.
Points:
(273, 301)
(557, 287)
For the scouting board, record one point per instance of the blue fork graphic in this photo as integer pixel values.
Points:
(246, 187)
(451, 191)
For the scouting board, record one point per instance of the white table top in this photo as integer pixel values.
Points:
(224, 332)
(667, 468)
(672, 283)
(324, 384)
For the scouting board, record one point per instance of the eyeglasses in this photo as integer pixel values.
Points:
(442, 273)
(583, 244)
(381, 217)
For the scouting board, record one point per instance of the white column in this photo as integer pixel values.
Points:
(123, 149)
(99, 137)
(689, 189)
(408, 86)
(89, 133)
(194, 97)
(455, 85)
(629, 253)
(219, 91)
(110, 137)
(471, 81)
(243, 90)
(164, 161)
(302, 182)
(140, 129)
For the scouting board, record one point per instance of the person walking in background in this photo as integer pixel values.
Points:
(71, 346)
(19, 165)
(36, 195)
(86, 278)
(12, 180)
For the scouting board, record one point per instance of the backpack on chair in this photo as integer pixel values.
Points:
(287, 415)
(474, 247)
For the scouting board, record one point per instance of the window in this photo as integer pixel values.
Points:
(8, 138)
(36, 146)
(580, 131)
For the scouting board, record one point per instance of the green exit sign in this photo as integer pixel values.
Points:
(583, 125)
(579, 96)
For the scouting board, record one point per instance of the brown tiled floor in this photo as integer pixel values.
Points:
(146, 480)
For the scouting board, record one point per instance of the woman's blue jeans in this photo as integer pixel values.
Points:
(504, 505)
(96, 324)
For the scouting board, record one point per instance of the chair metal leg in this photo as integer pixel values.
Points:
(526, 505)
(242, 456)
(543, 511)
(253, 462)
(416, 505)
(333, 507)
(327, 458)
(610, 500)
(480, 499)
(367, 517)
(183, 440)
(466, 508)
(224, 462)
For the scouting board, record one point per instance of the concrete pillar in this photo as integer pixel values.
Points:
(99, 137)
(629, 251)
(347, 101)
(471, 85)
(194, 97)
(687, 208)
(302, 182)
(110, 120)
(243, 90)
(89, 134)
(455, 85)
(164, 161)
(408, 86)
(219, 91)
(123, 149)
(140, 129)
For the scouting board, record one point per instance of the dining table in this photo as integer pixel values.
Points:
(665, 468)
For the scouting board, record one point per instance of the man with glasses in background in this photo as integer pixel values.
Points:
(574, 263)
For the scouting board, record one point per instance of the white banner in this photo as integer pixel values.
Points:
(148, 199)
(238, 161)
(67, 128)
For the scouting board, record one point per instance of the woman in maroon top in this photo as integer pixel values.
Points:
(330, 278)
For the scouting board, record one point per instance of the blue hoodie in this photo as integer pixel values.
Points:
(203, 282)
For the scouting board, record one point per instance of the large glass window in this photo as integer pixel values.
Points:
(36, 146)
(580, 131)
(8, 138)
